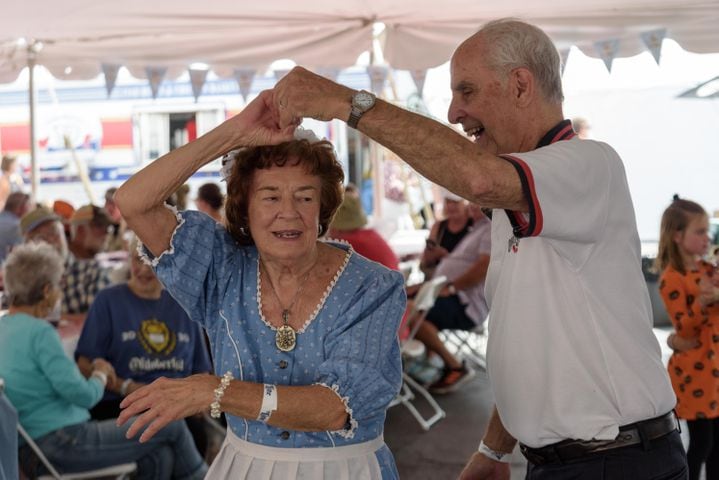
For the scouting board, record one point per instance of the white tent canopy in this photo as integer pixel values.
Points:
(79, 36)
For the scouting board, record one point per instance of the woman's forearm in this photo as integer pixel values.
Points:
(157, 181)
(308, 408)
(141, 199)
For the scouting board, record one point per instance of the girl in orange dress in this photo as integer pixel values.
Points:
(688, 288)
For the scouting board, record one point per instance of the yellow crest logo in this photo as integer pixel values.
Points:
(156, 338)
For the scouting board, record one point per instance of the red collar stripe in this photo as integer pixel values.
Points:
(536, 220)
(564, 134)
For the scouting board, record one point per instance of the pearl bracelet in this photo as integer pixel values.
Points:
(269, 402)
(219, 392)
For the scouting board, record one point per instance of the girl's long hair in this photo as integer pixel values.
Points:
(676, 218)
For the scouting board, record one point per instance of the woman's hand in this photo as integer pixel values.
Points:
(103, 366)
(257, 125)
(166, 400)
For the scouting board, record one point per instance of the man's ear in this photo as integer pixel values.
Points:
(523, 85)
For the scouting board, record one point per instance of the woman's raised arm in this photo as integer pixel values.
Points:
(141, 199)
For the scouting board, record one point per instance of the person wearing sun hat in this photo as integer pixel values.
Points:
(349, 225)
(64, 210)
(41, 224)
(89, 230)
(84, 275)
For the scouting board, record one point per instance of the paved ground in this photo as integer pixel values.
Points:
(441, 452)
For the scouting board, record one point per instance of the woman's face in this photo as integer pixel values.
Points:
(283, 211)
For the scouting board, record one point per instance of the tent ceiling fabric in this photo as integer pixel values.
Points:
(229, 34)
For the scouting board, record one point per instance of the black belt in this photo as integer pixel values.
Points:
(636, 433)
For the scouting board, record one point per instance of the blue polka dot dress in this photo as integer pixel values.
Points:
(349, 345)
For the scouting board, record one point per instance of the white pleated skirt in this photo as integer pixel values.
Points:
(239, 459)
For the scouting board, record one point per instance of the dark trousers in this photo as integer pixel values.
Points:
(703, 447)
(664, 459)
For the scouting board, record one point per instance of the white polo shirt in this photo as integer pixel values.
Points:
(571, 351)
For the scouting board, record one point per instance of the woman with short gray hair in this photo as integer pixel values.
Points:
(52, 397)
(32, 274)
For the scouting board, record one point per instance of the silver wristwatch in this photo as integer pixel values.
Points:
(362, 101)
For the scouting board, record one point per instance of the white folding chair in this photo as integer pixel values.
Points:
(411, 349)
(117, 472)
(469, 344)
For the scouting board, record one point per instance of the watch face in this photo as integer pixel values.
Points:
(363, 100)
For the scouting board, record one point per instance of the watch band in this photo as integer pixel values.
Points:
(354, 118)
(362, 102)
(493, 454)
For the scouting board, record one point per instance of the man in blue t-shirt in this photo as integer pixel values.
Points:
(145, 334)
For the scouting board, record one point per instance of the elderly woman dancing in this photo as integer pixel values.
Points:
(303, 332)
(51, 395)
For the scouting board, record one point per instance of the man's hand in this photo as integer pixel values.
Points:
(480, 467)
(303, 94)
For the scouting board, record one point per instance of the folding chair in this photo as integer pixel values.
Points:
(411, 349)
(469, 344)
(117, 472)
(8, 438)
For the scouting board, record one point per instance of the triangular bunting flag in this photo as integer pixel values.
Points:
(607, 50)
(564, 56)
(377, 76)
(244, 77)
(197, 79)
(419, 76)
(110, 72)
(155, 76)
(281, 72)
(653, 40)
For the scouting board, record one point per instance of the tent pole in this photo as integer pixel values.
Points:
(375, 158)
(34, 177)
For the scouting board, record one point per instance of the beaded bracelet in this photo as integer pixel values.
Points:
(219, 392)
(269, 402)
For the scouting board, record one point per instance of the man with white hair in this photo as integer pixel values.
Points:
(576, 371)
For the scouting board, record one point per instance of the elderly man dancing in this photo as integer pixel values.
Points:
(576, 371)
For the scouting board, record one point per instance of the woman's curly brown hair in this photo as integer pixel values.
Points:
(317, 158)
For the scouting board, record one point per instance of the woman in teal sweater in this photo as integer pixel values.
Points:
(51, 395)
